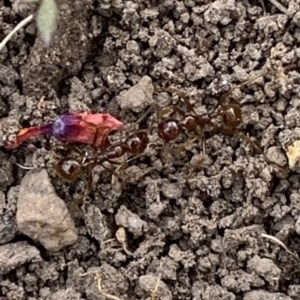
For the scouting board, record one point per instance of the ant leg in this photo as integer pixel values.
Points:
(186, 100)
(65, 147)
(115, 173)
(168, 110)
(142, 118)
(223, 98)
(183, 96)
(259, 150)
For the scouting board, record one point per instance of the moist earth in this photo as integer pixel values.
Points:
(208, 216)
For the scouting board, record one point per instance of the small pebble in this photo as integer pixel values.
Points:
(138, 97)
(293, 154)
(131, 221)
(41, 213)
(276, 155)
(171, 190)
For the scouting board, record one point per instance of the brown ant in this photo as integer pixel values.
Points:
(71, 168)
(225, 118)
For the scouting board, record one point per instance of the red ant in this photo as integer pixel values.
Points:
(225, 118)
(71, 169)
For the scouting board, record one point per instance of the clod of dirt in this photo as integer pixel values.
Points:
(264, 295)
(138, 97)
(294, 291)
(6, 178)
(172, 190)
(8, 228)
(266, 268)
(41, 213)
(96, 224)
(45, 68)
(109, 283)
(203, 291)
(15, 255)
(131, 221)
(148, 283)
(8, 225)
(79, 98)
(8, 75)
(240, 281)
(66, 294)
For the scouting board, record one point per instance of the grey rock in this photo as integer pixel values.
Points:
(138, 97)
(276, 155)
(42, 215)
(266, 268)
(96, 224)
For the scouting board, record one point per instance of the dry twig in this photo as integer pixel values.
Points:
(280, 7)
(281, 244)
(17, 28)
(155, 290)
(99, 285)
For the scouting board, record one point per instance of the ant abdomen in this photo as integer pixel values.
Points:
(169, 130)
(137, 142)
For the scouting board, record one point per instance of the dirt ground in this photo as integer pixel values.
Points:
(173, 223)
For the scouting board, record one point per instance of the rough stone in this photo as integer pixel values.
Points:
(42, 215)
(138, 97)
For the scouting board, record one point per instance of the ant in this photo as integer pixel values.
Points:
(226, 118)
(71, 169)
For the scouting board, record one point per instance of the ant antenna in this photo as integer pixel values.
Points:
(25, 167)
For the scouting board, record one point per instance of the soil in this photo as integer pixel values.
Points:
(173, 223)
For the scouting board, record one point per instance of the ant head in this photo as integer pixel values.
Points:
(232, 115)
(69, 168)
